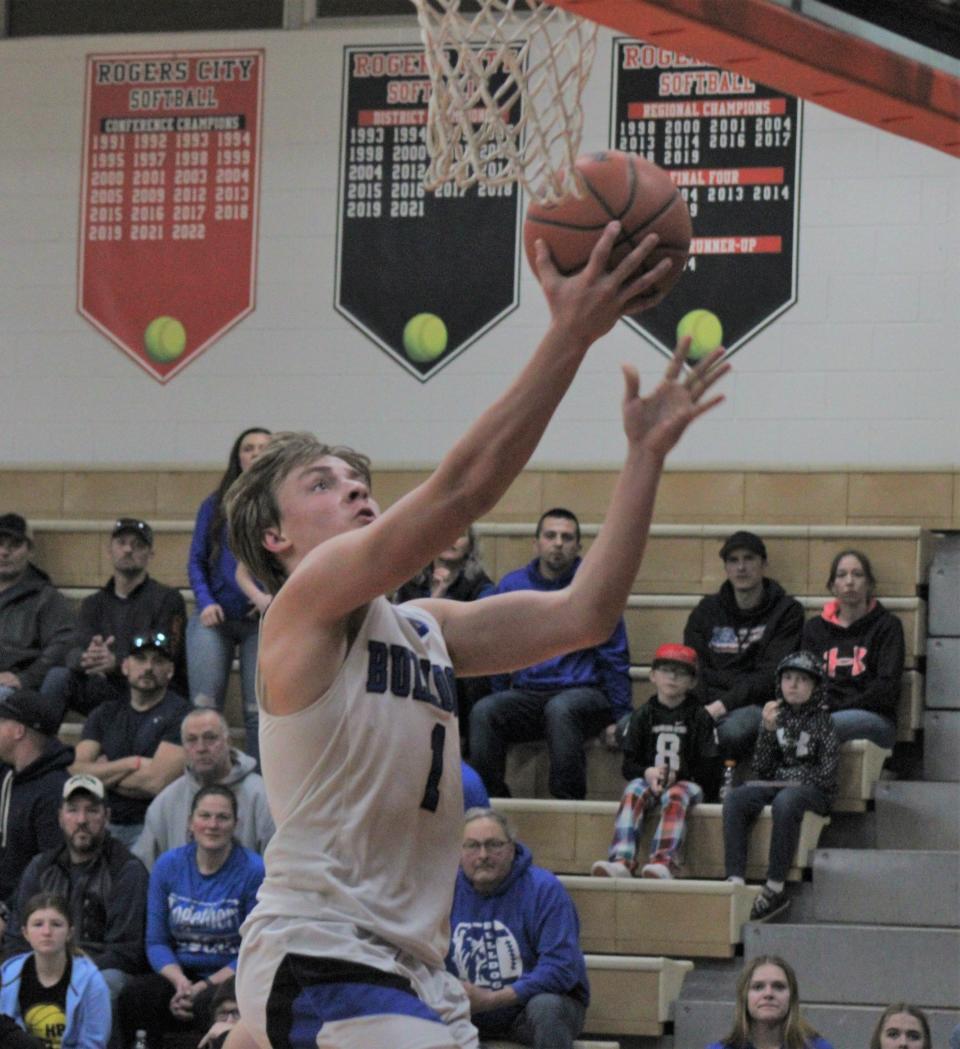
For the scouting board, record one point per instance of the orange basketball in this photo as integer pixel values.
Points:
(622, 186)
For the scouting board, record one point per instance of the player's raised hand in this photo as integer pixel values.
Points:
(588, 303)
(657, 421)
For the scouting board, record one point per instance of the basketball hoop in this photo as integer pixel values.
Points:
(506, 87)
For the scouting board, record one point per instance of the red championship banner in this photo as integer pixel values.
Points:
(169, 205)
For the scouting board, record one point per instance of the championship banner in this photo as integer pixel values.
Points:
(423, 275)
(733, 148)
(169, 204)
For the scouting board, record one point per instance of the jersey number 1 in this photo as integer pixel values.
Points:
(431, 792)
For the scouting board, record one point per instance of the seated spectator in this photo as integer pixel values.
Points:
(566, 699)
(36, 622)
(225, 1015)
(55, 995)
(768, 1010)
(515, 940)
(130, 604)
(740, 634)
(670, 758)
(862, 648)
(133, 744)
(104, 886)
(33, 770)
(457, 574)
(199, 896)
(226, 619)
(796, 763)
(209, 759)
(904, 1026)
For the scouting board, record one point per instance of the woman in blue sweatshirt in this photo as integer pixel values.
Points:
(51, 992)
(198, 897)
(226, 616)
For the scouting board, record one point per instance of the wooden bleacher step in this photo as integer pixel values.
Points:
(568, 836)
(576, 1045)
(699, 919)
(633, 996)
(527, 772)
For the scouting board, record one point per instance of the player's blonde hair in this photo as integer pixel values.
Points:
(251, 501)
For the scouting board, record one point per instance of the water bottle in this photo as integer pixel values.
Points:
(726, 784)
(140, 1040)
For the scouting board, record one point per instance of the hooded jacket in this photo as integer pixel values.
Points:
(526, 935)
(165, 824)
(36, 625)
(88, 1002)
(29, 800)
(606, 666)
(739, 649)
(804, 748)
(107, 897)
(863, 661)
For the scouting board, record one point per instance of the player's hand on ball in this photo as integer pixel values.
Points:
(656, 422)
(588, 303)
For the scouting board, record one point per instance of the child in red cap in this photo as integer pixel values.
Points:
(670, 758)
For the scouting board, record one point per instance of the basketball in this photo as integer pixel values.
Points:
(621, 186)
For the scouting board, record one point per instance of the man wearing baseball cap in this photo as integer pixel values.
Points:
(132, 745)
(33, 771)
(105, 886)
(130, 604)
(740, 634)
(36, 622)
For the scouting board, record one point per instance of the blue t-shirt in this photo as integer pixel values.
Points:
(194, 919)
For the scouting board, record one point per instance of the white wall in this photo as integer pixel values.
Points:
(864, 370)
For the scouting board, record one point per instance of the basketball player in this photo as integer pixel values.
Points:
(359, 740)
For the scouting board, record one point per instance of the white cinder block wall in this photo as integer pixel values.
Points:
(863, 371)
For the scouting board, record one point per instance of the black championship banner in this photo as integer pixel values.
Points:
(421, 274)
(732, 147)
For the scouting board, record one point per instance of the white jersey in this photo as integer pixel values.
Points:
(364, 787)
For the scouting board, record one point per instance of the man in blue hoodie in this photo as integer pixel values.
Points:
(515, 940)
(565, 700)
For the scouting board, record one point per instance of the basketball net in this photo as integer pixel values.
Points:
(505, 104)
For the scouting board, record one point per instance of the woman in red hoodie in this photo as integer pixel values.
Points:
(862, 648)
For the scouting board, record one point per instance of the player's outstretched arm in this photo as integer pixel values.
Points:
(479, 468)
(521, 628)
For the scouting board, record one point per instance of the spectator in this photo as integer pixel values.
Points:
(104, 886)
(796, 762)
(225, 1013)
(515, 941)
(768, 1010)
(198, 897)
(32, 775)
(670, 757)
(904, 1026)
(226, 618)
(740, 634)
(474, 792)
(457, 574)
(128, 605)
(566, 699)
(35, 620)
(133, 745)
(54, 994)
(209, 759)
(861, 645)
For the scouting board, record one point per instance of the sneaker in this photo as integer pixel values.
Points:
(610, 869)
(656, 870)
(768, 905)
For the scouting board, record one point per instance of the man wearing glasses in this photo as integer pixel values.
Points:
(515, 940)
(132, 745)
(130, 604)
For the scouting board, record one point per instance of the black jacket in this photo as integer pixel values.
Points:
(739, 649)
(803, 749)
(107, 898)
(863, 661)
(29, 800)
(36, 625)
